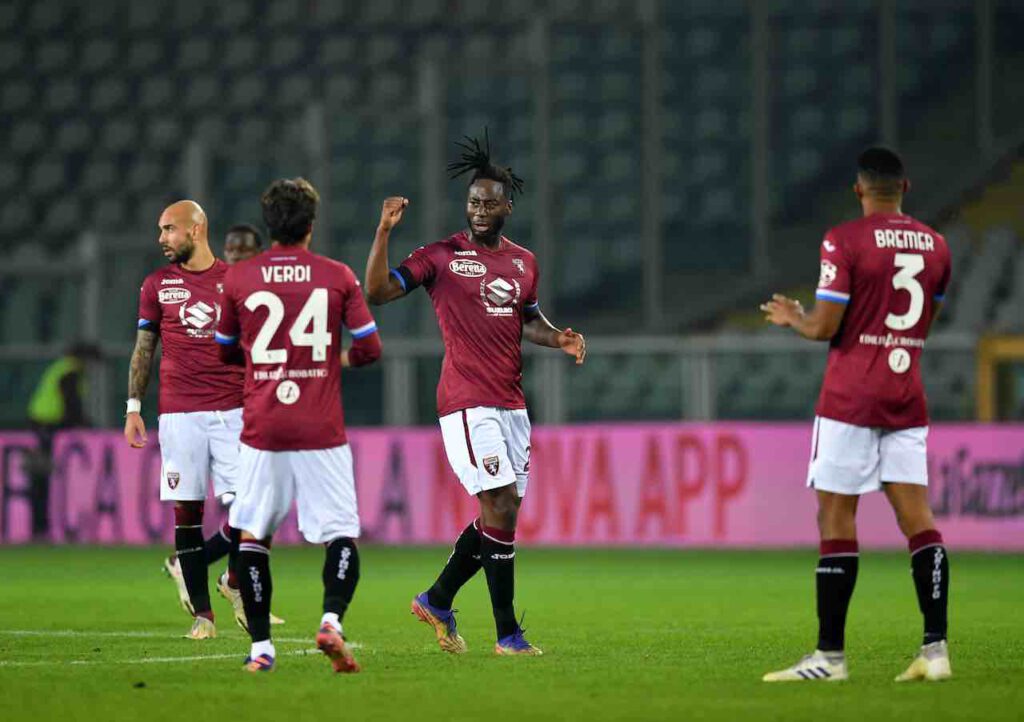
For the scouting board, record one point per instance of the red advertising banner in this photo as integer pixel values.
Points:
(674, 485)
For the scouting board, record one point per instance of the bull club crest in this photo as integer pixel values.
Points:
(173, 478)
(520, 266)
(491, 465)
(220, 288)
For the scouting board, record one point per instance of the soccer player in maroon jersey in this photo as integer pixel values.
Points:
(200, 400)
(882, 282)
(282, 316)
(484, 290)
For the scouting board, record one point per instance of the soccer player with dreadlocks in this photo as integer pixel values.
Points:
(484, 290)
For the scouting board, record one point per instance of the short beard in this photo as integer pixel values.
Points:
(185, 254)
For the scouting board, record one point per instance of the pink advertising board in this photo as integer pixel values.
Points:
(673, 485)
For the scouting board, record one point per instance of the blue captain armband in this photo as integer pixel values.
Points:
(823, 294)
(401, 279)
(364, 330)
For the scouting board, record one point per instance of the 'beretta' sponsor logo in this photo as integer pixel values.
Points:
(174, 295)
(469, 269)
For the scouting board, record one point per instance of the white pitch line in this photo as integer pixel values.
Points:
(147, 660)
(76, 633)
(123, 635)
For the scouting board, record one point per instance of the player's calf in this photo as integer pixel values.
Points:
(340, 578)
(929, 565)
(219, 545)
(835, 579)
(191, 555)
(462, 565)
(256, 588)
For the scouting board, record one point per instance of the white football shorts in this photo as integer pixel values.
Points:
(854, 460)
(488, 448)
(196, 447)
(320, 481)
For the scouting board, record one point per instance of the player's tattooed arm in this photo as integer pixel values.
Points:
(538, 330)
(138, 381)
(381, 285)
(821, 324)
(142, 363)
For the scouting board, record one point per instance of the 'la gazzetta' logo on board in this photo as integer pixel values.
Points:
(469, 269)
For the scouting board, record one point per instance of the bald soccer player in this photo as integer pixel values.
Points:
(242, 242)
(200, 408)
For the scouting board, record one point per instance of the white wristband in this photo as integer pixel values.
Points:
(134, 406)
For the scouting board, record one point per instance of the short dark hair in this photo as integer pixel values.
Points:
(477, 158)
(247, 228)
(883, 170)
(289, 209)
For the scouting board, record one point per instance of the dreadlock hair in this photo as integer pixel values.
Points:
(882, 170)
(477, 158)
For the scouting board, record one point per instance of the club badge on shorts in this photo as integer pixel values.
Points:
(491, 465)
(173, 478)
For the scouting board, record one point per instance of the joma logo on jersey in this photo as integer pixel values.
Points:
(173, 295)
(172, 281)
(467, 269)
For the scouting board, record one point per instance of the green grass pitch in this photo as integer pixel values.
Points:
(628, 635)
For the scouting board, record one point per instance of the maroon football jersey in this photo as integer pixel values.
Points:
(891, 270)
(285, 308)
(183, 307)
(479, 297)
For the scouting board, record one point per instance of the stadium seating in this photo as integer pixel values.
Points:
(100, 119)
(111, 103)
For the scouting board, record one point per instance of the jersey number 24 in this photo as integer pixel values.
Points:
(309, 328)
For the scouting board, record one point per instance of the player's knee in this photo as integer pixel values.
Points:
(502, 507)
(188, 513)
(836, 524)
(244, 536)
(915, 522)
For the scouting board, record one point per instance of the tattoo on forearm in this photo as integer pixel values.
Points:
(142, 364)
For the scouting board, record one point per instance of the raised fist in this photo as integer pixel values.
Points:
(391, 212)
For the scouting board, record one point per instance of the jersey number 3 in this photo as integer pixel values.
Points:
(309, 329)
(909, 265)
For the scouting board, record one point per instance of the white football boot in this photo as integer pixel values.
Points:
(202, 628)
(173, 569)
(819, 666)
(930, 665)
